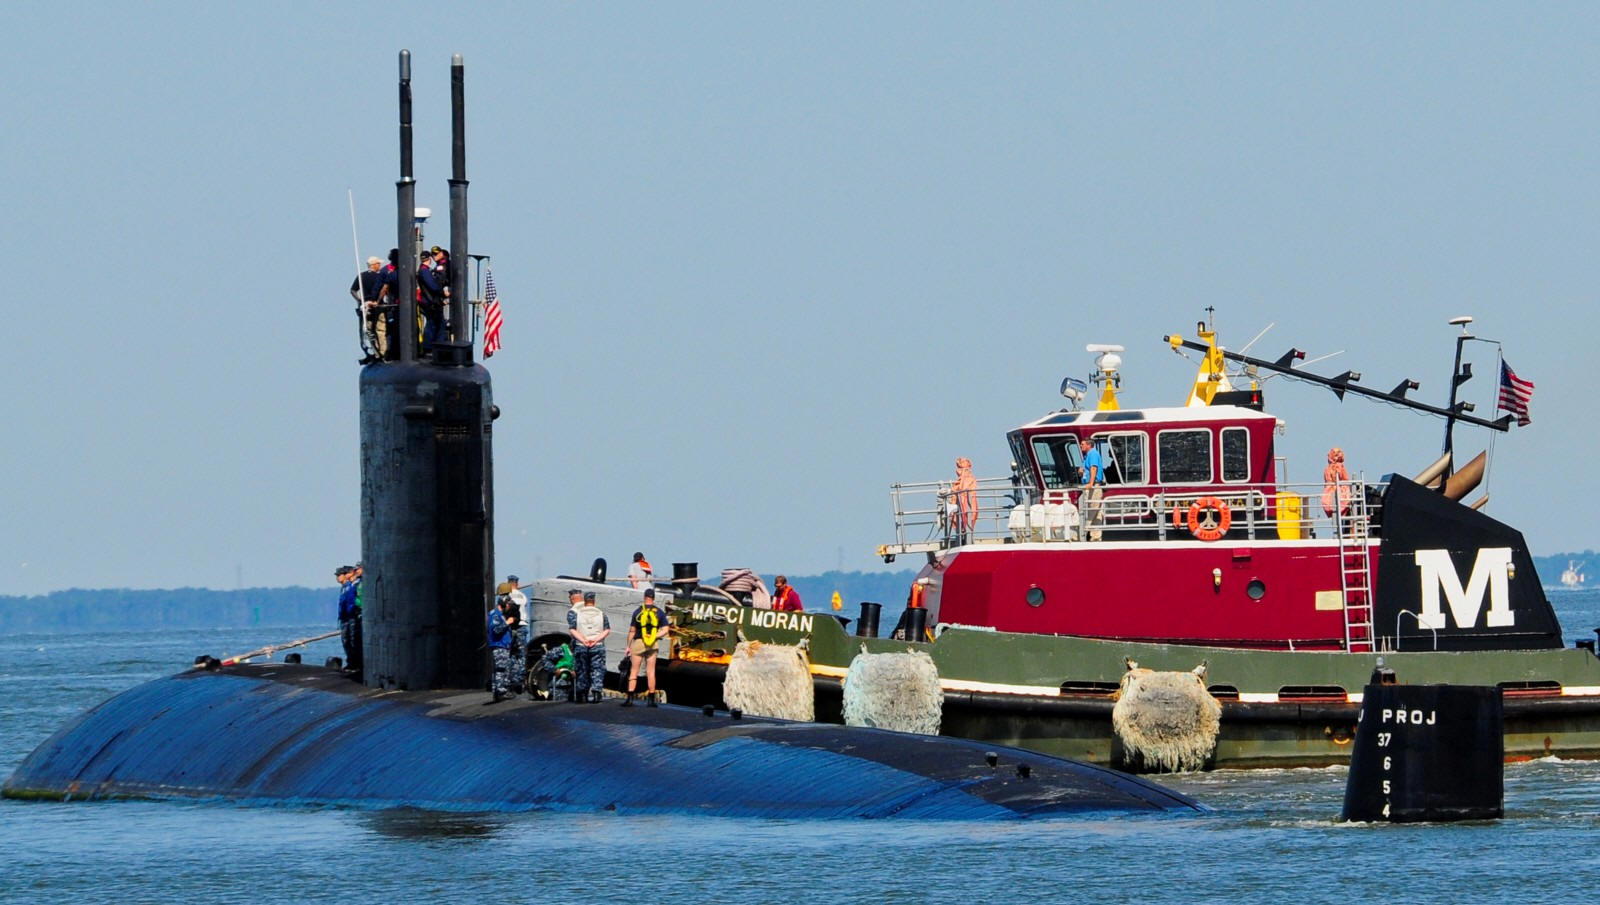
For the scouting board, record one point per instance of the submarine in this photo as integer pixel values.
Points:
(414, 727)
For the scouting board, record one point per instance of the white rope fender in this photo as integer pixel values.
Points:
(893, 691)
(1167, 721)
(770, 680)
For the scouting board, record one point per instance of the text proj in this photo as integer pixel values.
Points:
(1489, 571)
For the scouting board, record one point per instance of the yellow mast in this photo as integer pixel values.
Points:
(1108, 398)
(1212, 379)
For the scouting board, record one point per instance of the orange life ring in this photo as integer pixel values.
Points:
(1211, 529)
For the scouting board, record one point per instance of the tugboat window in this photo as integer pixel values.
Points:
(1035, 596)
(1235, 454)
(1184, 457)
(1058, 459)
(1124, 455)
(1255, 589)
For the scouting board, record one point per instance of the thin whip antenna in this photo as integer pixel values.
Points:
(1320, 358)
(361, 295)
(1258, 336)
(1307, 363)
(353, 238)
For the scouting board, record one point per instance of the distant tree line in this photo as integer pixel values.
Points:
(121, 608)
(190, 608)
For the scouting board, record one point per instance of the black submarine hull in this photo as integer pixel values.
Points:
(305, 736)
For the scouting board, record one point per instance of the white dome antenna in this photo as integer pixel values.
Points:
(1106, 371)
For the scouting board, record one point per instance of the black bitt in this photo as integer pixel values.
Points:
(916, 624)
(867, 625)
(427, 520)
(1427, 753)
(685, 577)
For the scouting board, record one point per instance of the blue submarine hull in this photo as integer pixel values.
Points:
(301, 735)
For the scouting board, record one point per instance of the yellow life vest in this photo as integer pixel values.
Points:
(649, 625)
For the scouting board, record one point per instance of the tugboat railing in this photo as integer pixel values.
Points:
(929, 515)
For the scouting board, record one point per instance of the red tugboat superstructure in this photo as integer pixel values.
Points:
(1200, 610)
(1198, 540)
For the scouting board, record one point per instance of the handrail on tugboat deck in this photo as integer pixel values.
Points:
(927, 516)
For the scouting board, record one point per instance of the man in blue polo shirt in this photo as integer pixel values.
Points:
(1094, 483)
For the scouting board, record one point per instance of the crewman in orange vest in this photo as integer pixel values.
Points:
(785, 597)
(966, 497)
(640, 574)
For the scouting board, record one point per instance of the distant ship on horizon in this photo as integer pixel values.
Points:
(1572, 577)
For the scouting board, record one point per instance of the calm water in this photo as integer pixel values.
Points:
(1272, 837)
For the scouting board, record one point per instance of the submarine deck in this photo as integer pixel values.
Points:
(279, 733)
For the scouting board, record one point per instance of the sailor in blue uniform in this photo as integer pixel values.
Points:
(557, 666)
(588, 625)
(349, 617)
(500, 647)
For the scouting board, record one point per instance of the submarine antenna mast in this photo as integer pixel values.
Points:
(459, 330)
(406, 190)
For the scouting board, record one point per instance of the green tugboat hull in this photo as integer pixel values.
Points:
(1055, 694)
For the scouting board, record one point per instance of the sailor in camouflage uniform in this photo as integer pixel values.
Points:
(500, 647)
(589, 625)
(557, 667)
(516, 606)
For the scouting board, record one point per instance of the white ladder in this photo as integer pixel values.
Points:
(1355, 570)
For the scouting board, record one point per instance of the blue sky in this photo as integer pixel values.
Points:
(759, 261)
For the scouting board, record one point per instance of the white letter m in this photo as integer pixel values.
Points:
(1488, 570)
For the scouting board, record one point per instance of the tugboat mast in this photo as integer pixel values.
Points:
(1458, 376)
(1347, 383)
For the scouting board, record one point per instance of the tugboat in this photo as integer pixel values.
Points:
(1038, 592)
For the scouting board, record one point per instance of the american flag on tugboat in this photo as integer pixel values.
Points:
(491, 317)
(1515, 394)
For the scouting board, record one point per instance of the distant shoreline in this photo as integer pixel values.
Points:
(192, 608)
(200, 608)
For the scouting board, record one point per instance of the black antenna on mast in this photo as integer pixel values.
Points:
(406, 192)
(1347, 383)
(1458, 376)
(458, 201)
